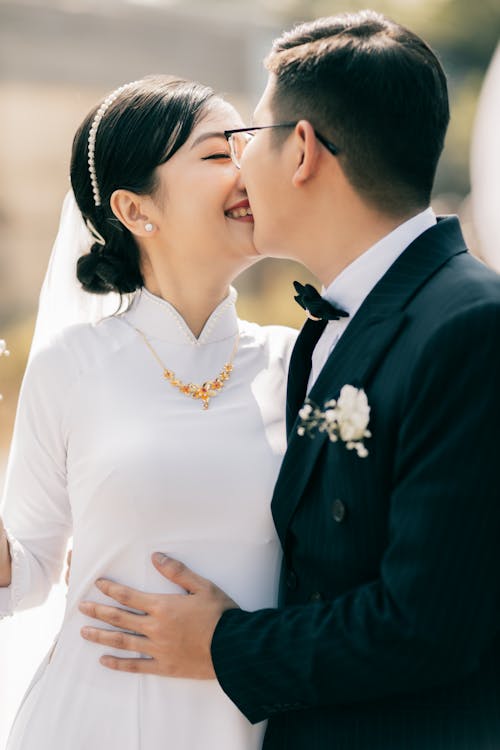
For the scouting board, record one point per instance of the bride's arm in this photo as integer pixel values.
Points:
(5, 558)
(35, 511)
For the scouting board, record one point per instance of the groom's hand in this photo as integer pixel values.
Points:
(174, 633)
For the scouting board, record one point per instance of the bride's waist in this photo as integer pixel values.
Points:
(248, 572)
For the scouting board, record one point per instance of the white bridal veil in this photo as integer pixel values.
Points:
(63, 302)
(485, 166)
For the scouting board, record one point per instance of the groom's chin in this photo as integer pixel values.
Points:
(280, 254)
(266, 249)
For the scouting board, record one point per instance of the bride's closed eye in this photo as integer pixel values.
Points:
(221, 155)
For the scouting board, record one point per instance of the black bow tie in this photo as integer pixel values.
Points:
(316, 306)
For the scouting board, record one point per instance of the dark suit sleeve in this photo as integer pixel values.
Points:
(435, 608)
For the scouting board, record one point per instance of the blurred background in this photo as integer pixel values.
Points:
(58, 58)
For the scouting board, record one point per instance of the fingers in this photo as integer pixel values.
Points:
(129, 597)
(116, 639)
(179, 573)
(138, 666)
(120, 618)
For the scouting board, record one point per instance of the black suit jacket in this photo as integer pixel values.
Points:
(388, 630)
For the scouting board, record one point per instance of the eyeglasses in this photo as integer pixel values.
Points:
(239, 138)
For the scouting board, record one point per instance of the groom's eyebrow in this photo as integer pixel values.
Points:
(206, 136)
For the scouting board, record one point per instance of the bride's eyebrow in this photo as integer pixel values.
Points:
(206, 136)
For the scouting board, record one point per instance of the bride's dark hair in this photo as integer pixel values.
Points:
(147, 123)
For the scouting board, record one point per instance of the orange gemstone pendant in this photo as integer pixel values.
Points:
(204, 392)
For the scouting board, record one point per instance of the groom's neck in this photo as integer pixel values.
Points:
(343, 233)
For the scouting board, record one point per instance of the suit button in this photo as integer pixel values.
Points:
(316, 597)
(338, 510)
(291, 579)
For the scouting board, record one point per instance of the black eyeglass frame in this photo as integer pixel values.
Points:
(332, 148)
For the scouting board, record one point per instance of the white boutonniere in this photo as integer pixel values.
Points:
(345, 418)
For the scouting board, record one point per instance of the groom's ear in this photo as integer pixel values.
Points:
(307, 151)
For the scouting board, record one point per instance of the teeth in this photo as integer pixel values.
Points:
(238, 213)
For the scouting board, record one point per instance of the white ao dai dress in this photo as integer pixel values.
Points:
(106, 450)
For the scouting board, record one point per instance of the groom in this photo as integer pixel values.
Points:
(387, 634)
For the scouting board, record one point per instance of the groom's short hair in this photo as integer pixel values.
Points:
(377, 91)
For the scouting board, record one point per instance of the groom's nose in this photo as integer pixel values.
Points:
(240, 182)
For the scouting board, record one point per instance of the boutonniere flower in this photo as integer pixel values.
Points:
(345, 418)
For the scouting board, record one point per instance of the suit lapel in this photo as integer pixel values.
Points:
(368, 340)
(359, 351)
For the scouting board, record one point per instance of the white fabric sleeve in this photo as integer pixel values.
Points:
(35, 506)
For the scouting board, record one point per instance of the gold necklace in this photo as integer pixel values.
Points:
(209, 389)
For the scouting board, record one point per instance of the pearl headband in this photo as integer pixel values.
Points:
(93, 134)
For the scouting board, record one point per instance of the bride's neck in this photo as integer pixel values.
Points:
(193, 296)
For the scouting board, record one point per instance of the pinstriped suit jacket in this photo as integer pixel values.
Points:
(388, 631)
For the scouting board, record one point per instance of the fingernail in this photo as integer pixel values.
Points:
(160, 558)
(83, 606)
(85, 632)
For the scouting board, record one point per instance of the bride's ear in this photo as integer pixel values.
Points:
(131, 210)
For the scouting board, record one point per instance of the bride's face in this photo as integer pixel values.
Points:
(200, 199)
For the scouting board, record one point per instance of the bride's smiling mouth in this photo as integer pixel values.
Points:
(241, 211)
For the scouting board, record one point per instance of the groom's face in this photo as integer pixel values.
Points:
(266, 169)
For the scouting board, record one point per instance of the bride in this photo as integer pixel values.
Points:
(159, 427)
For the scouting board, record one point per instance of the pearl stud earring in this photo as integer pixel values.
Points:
(148, 227)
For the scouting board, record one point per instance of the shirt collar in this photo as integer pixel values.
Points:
(351, 287)
(158, 319)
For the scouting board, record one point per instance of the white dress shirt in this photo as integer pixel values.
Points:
(350, 289)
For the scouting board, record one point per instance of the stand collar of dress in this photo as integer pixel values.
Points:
(158, 319)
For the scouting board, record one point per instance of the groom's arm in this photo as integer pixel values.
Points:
(435, 608)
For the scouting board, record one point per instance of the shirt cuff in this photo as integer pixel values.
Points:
(10, 596)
